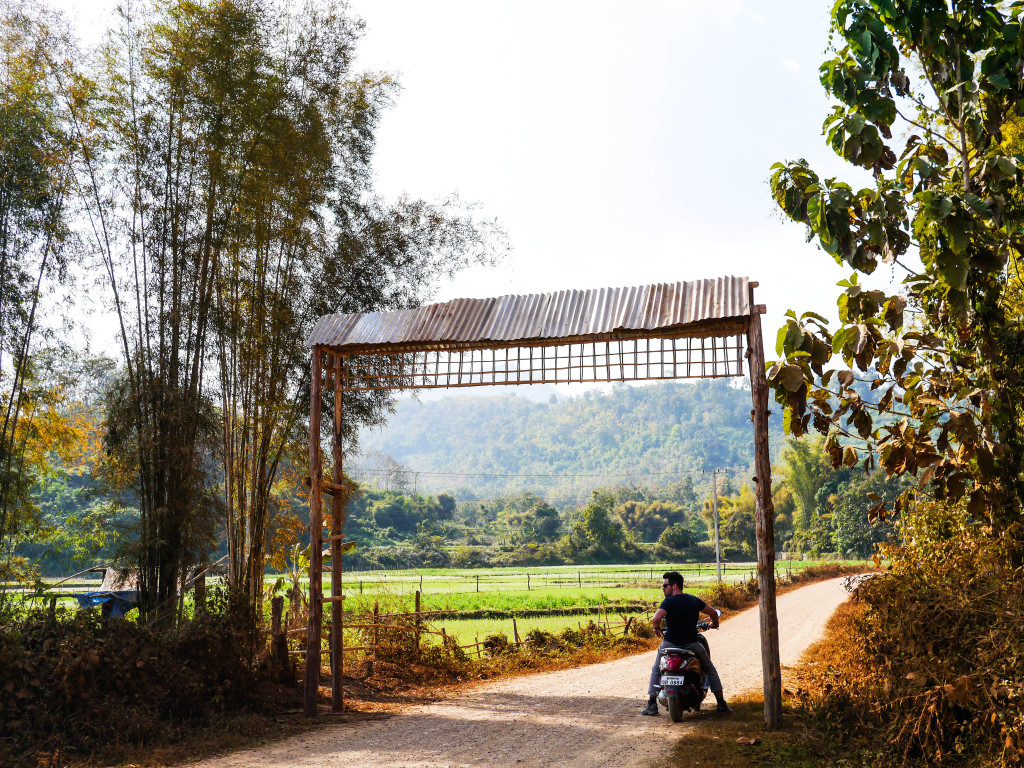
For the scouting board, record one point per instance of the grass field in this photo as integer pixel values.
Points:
(505, 589)
(512, 591)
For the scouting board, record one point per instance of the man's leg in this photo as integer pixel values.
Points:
(714, 681)
(652, 685)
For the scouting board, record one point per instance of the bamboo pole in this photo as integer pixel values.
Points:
(311, 683)
(337, 522)
(765, 525)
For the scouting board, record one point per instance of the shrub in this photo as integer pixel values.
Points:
(77, 682)
(928, 661)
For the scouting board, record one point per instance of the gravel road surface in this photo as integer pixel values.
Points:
(574, 718)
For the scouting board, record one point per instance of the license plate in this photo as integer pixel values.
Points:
(672, 680)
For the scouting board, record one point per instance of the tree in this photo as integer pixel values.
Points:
(596, 532)
(738, 526)
(649, 520)
(231, 190)
(676, 537)
(852, 532)
(804, 468)
(785, 510)
(949, 410)
(36, 170)
(446, 506)
(540, 524)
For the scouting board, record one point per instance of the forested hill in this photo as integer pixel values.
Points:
(652, 435)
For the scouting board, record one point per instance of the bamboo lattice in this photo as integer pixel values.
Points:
(643, 359)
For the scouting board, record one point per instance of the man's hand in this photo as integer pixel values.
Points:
(711, 613)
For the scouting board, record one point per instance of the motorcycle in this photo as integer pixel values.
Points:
(683, 684)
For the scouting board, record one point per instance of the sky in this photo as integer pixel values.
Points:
(617, 144)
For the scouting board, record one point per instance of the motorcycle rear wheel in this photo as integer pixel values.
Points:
(675, 709)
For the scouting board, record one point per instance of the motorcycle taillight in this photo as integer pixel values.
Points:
(672, 662)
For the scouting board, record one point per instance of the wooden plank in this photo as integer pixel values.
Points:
(349, 649)
(311, 682)
(376, 639)
(765, 529)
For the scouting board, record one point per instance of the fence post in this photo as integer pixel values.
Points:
(278, 642)
(418, 619)
(579, 578)
(199, 595)
(515, 631)
(421, 582)
(527, 582)
(376, 620)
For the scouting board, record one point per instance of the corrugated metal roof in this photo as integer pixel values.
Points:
(538, 318)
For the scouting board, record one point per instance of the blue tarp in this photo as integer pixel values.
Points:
(117, 603)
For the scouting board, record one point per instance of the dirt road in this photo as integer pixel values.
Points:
(571, 719)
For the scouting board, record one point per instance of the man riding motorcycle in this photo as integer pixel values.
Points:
(681, 612)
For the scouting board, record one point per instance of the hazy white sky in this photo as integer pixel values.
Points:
(617, 143)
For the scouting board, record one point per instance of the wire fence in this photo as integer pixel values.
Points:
(401, 582)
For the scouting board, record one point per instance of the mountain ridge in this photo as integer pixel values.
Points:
(651, 435)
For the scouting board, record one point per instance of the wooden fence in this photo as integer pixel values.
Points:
(413, 622)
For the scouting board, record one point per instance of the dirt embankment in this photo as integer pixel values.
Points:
(571, 718)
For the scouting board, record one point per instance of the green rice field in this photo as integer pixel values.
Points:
(517, 591)
(509, 592)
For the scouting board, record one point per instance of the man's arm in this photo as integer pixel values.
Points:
(711, 611)
(659, 614)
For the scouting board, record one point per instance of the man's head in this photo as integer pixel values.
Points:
(672, 582)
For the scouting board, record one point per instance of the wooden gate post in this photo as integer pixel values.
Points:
(337, 522)
(311, 682)
(765, 522)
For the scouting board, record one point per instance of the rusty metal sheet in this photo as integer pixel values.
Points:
(541, 318)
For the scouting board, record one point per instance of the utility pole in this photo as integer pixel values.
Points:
(714, 505)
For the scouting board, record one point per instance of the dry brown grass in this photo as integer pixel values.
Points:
(926, 665)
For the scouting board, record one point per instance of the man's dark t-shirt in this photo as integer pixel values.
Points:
(683, 614)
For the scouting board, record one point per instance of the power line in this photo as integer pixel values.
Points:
(510, 474)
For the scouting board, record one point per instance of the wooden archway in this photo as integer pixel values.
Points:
(700, 329)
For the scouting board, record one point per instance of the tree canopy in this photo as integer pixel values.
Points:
(924, 93)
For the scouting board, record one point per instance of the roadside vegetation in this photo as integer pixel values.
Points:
(925, 667)
(921, 668)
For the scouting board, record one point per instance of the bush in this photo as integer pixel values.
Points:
(527, 555)
(676, 537)
(471, 557)
(927, 664)
(77, 682)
